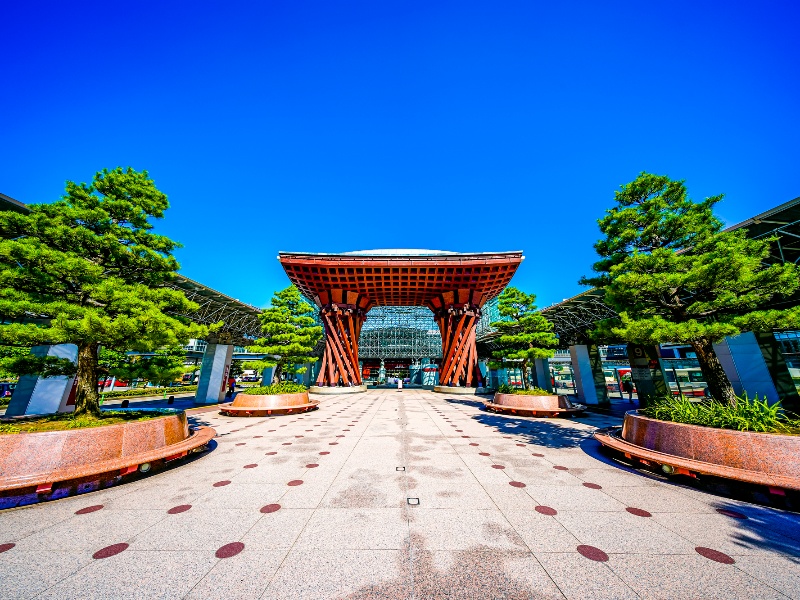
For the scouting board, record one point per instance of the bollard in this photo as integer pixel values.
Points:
(125, 403)
(171, 400)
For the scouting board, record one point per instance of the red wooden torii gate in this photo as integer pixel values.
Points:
(453, 285)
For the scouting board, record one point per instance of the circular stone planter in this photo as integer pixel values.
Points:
(448, 389)
(264, 405)
(761, 458)
(335, 389)
(52, 464)
(524, 405)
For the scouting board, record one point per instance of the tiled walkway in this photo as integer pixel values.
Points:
(317, 506)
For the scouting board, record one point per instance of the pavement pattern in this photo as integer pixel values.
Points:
(393, 494)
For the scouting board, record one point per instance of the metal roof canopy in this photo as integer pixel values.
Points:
(574, 316)
(403, 277)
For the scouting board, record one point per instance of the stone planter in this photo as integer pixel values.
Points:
(524, 405)
(51, 464)
(760, 458)
(246, 405)
(337, 389)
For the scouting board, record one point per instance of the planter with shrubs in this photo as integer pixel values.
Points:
(533, 402)
(277, 399)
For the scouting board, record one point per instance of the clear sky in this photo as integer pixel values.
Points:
(335, 126)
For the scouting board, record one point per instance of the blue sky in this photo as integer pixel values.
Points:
(336, 126)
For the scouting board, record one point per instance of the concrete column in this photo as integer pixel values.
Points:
(590, 383)
(542, 371)
(267, 375)
(36, 395)
(754, 365)
(647, 373)
(214, 371)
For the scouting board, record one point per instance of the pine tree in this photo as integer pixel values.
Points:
(290, 334)
(525, 334)
(674, 275)
(90, 266)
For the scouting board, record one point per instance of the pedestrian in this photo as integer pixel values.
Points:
(627, 386)
(399, 384)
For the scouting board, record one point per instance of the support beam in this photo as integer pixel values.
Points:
(754, 365)
(214, 371)
(342, 314)
(590, 383)
(457, 314)
(36, 395)
(542, 372)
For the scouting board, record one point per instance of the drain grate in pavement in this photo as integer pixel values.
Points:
(413, 501)
(399, 468)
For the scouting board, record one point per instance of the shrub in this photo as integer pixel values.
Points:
(744, 415)
(156, 391)
(283, 387)
(504, 388)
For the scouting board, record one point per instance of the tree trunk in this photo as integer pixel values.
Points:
(87, 399)
(276, 377)
(524, 368)
(719, 386)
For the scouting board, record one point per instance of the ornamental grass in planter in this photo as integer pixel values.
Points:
(504, 388)
(65, 421)
(282, 387)
(743, 415)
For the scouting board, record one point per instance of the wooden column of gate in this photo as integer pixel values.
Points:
(457, 314)
(342, 314)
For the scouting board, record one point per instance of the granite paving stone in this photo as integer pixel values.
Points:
(345, 528)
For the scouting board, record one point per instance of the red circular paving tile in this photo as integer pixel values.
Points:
(474, 444)
(537, 454)
(484, 454)
(221, 483)
(516, 484)
(6, 547)
(714, 555)
(270, 508)
(560, 468)
(731, 513)
(459, 431)
(110, 551)
(592, 486)
(298, 436)
(179, 509)
(498, 466)
(229, 550)
(592, 553)
(324, 453)
(270, 454)
(521, 445)
(253, 466)
(546, 510)
(333, 444)
(465, 436)
(312, 466)
(255, 437)
(638, 512)
(241, 443)
(89, 509)
(295, 482)
(286, 444)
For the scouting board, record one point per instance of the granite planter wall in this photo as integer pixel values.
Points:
(246, 405)
(525, 405)
(762, 458)
(51, 464)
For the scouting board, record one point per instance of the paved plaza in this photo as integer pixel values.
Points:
(393, 494)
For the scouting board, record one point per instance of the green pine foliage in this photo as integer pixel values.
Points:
(674, 275)
(290, 334)
(525, 334)
(91, 267)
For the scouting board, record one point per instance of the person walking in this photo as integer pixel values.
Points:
(627, 386)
